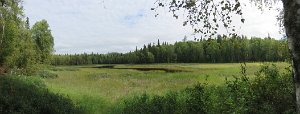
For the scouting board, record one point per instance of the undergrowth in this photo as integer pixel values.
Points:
(29, 95)
(269, 92)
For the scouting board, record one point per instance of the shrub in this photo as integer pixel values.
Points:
(28, 95)
(188, 101)
(269, 92)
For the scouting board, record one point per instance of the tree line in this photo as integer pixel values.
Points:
(221, 49)
(22, 47)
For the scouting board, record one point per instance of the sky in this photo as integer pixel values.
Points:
(103, 26)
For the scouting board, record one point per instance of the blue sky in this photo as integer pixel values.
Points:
(103, 26)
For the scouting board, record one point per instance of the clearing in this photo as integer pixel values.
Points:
(98, 87)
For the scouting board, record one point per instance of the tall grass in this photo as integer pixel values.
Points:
(269, 92)
(103, 91)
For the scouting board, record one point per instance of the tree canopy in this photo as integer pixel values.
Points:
(43, 38)
(20, 47)
(208, 16)
(222, 49)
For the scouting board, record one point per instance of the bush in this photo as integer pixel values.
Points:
(269, 92)
(28, 95)
(188, 101)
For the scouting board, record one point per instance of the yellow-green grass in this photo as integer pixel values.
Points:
(96, 89)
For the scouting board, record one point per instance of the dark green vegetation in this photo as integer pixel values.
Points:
(25, 51)
(28, 95)
(22, 48)
(219, 50)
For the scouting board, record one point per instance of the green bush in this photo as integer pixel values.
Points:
(28, 95)
(269, 92)
(188, 101)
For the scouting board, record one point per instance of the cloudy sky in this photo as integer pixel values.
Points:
(103, 26)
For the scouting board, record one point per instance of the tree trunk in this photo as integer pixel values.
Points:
(3, 28)
(3, 31)
(292, 27)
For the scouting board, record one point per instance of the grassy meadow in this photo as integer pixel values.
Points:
(98, 89)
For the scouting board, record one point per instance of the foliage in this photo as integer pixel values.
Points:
(11, 27)
(205, 16)
(222, 49)
(18, 44)
(29, 95)
(208, 16)
(191, 100)
(43, 38)
(270, 92)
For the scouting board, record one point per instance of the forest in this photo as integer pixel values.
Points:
(218, 74)
(221, 49)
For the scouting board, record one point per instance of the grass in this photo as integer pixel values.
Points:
(97, 90)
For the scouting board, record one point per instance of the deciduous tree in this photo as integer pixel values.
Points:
(44, 41)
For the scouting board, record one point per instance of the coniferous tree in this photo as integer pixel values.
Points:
(219, 50)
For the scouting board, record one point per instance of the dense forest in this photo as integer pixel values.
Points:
(221, 49)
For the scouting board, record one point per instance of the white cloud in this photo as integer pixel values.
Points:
(103, 26)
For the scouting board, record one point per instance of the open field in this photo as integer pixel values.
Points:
(97, 88)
